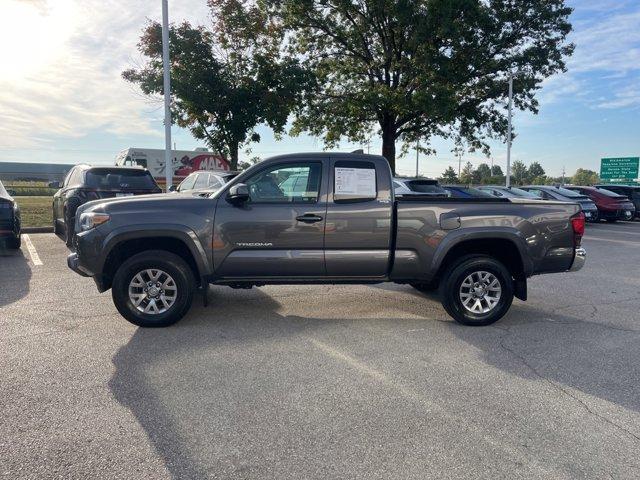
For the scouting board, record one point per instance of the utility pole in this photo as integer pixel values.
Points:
(508, 183)
(168, 164)
(417, 158)
(459, 164)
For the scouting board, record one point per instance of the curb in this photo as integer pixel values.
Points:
(37, 230)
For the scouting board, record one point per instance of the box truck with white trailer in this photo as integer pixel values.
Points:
(183, 162)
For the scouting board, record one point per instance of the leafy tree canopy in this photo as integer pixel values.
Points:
(585, 177)
(414, 69)
(536, 170)
(519, 173)
(224, 80)
(449, 176)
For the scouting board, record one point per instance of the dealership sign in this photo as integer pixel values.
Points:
(620, 170)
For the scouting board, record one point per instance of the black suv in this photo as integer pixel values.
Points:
(85, 183)
(632, 192)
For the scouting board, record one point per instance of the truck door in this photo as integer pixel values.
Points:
(359, 218)
(279, 232)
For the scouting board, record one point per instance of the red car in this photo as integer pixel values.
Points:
(611, 206)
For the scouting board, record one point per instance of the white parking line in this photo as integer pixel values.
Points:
(35, 258)
(623, 242)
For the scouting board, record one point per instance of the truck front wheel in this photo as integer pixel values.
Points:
(153, 289)
(477, 290)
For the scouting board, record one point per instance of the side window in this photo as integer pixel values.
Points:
(354, 181)
(290, 183)
(202, 181)
(214, 182)
(76, 178)
(67, 179)
(187, 183)
(540, 193)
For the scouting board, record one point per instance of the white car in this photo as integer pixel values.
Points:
(418, 186)
(204, 182)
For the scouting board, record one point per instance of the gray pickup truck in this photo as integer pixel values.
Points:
(321, 218)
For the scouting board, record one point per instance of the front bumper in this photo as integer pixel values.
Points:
(579, 258)
(74, 264)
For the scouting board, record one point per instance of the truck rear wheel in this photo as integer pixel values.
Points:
(477, 291)
(153, 289)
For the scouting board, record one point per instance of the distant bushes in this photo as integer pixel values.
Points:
(29, 189)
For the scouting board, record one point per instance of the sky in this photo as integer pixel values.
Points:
(62, 98)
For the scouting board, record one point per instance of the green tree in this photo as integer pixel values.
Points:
(519, 173)
(585, 177)
(414, 69)
(449, 176)
(467, 175)
(227, 80)
(483, 173)
(496, 171)
(536, 170)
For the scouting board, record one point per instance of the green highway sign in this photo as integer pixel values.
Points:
(620, 170)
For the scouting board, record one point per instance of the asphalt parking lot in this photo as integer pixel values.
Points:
(294, 382)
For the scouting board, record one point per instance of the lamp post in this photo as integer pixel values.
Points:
(168, 164)
(508, 182)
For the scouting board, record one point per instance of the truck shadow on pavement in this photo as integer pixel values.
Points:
(574, 351)
(15, 275)
(579, 350)
(229, 390)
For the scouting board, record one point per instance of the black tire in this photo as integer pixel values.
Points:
(15, 243)
(425, 287)
(456, 275)
(68, 232)
(168, 262)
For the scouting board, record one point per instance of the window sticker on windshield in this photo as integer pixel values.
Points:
(355, 181)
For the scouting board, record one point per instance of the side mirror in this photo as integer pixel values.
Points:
(54, 185)
(238, 193)
(173, 188)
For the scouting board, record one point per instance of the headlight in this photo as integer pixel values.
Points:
(91, 220)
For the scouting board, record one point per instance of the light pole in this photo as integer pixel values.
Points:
(508, 183)
(417, 158)
(168, 164)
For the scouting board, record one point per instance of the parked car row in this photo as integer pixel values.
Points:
(600, 202)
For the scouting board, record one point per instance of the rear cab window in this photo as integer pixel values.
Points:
(119, 179)
(354, 181)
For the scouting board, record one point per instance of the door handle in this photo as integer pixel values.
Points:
(309, 218)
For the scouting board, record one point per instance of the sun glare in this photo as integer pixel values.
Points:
(32, 35)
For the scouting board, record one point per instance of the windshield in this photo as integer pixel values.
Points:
(119, 179)
(565, 192)
(475, 192)
(609, 193)
(523, 193)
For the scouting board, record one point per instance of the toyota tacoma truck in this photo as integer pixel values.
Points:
(321, 218)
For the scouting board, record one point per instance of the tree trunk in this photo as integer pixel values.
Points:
(233, 152)
(389, 144)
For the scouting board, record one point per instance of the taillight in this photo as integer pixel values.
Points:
(577, 222)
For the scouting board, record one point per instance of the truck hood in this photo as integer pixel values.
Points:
(169, 201)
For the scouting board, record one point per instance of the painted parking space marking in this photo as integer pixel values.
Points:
(35, 258)
(623, 242)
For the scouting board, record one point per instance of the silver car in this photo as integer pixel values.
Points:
(508, 192)
(203, 183)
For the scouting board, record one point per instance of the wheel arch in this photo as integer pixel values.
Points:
(121, 245)
(506, 247)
